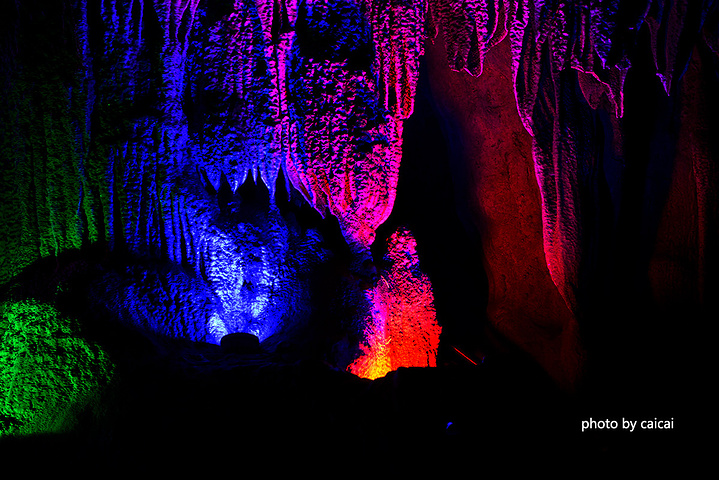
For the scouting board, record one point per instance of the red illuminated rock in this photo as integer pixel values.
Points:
(558, 50)
(470, 29)
(401, 329)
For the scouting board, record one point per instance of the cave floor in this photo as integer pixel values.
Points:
(183, 405)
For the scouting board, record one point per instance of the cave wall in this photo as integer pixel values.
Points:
(591, 205)
(142, 99)
(498, 195)
(161, 131)
(585, 159)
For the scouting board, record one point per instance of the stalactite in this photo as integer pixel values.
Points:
(470, 29)
(595, 38)
(674, 27)
(131, 118)
(398, 35)
(259, 101)
(308, 108)
(548, 94)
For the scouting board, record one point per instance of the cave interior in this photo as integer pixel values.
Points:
(344, 231)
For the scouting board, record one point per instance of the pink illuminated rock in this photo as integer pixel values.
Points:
(398, 35)
(347, 164)
(305, 95)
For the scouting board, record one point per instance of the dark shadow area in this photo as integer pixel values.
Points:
(426, 203)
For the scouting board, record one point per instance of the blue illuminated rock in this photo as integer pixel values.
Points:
(238, 276)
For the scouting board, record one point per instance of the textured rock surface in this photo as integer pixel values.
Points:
(293, 87)
(165, 109)
(401, 329)
(123, 118)
(316, 89)
(49, 375)
(502, 201)
(607, 147)
(471, 29)
(157, 91)
(560, 49)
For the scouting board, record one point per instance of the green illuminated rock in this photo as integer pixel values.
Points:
(48, 374)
